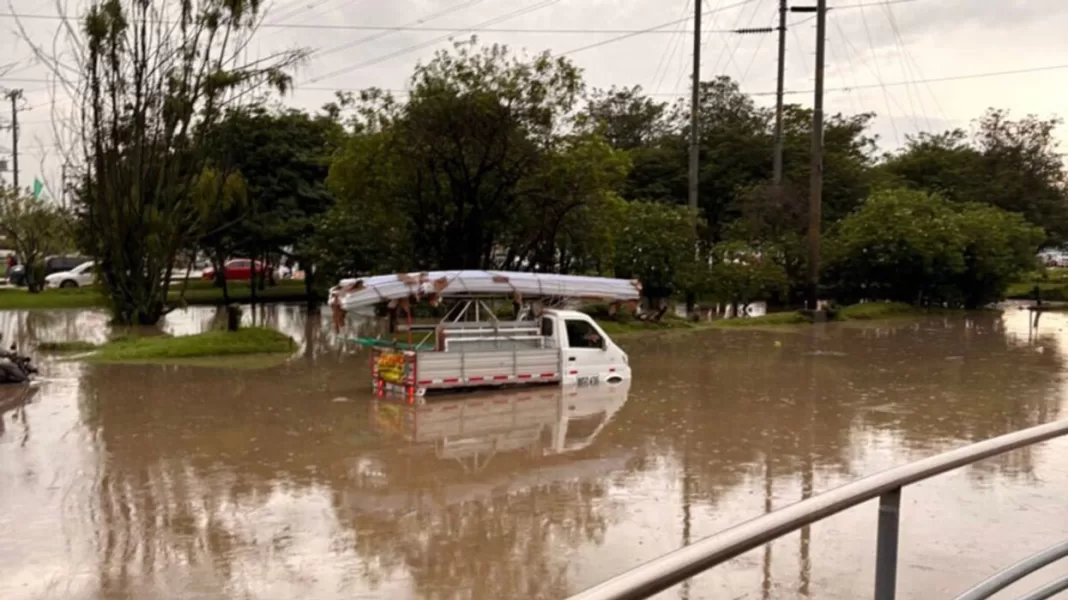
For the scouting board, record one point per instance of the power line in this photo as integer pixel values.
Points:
(929, 80)
(847, 88)
(669, 52)
(982, 75)
(414, 28)
(654, 28)
(710, 12)
(409, 49)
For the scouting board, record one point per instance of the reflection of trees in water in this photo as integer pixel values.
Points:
(969, 381)
(29, 327)
(188, 453)
(13, 400)
(191, 453)
(786, 405)
(933, 384)
(508, 546)
(744, 404)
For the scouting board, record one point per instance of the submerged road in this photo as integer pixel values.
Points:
(131, 482)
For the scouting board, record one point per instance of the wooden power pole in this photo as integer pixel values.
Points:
(695, 140)
(779, 90)
(815, 197)
(14, 95)
(695, 99)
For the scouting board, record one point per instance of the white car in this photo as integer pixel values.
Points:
(79, 276)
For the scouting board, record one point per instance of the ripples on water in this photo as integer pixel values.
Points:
(179, 482)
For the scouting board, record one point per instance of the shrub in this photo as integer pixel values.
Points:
(910, 246)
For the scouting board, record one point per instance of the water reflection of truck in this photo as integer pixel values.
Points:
(485, 444)
(544, 421)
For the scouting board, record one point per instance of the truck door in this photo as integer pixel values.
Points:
(584, 353)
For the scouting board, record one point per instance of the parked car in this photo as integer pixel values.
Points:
(52, 264)
(1053, 258)
(79, 276)
(235, 269)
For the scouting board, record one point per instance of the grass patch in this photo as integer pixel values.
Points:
(246, 342)
(1051, 290)
(205, 293)
(20, 298)
(250, 362)
(869, 311)
(199, 293)
(779, 318)
(631, 326)
(66, 347)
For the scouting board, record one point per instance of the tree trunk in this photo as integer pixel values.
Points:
(309, 289)
(261, 277)
(252, 284)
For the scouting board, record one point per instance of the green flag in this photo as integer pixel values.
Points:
(37, 187)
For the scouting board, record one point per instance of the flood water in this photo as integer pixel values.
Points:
(198, 483)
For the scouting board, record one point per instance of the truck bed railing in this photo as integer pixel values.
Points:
(490, 343)
(684, 563)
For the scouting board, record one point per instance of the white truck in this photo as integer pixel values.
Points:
(469, 350)
(560, 347)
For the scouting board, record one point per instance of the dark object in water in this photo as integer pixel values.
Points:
(17, 368)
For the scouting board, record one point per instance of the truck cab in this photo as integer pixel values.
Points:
(588, 357)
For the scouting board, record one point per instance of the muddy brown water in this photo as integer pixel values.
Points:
(195, 483)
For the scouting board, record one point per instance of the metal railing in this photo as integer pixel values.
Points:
(682, 564)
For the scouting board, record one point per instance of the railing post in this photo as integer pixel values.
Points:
(886, 545)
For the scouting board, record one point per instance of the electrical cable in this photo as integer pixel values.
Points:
(348, 45)
(655, 27)
(409, 49)
(669, 52)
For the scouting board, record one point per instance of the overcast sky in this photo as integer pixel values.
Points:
(875, 48)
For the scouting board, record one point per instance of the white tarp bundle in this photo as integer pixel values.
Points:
(353, 294)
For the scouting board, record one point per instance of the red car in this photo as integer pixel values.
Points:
(235, 269)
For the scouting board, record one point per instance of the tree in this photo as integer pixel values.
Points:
(564, 220)
(482, 167)
(911, 246)
(284, 158)
(999, 247)
(365, 230)
(627, 119)
(155, 76)
(656, 245)
(35, 229)
(1011, 164)
(742, 273)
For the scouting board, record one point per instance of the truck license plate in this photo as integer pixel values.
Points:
(589, 381)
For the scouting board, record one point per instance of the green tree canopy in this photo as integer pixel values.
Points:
(284, 158)
(154, 76)
(481, 167)
(35, 228)
(1011, 164)
(916, 247)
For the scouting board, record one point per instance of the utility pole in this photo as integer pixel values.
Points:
(815, 196)
(695, 140)
(777, 177)
(14, 95)
(63, 185)
(695, 135)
